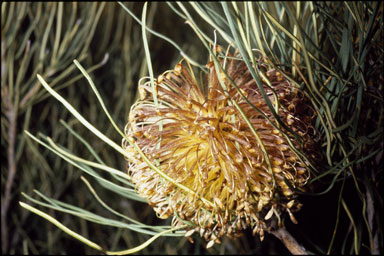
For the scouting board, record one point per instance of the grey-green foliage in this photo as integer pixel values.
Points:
(45, 38)
(35, 39)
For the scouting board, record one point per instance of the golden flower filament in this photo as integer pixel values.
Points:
(202, 141)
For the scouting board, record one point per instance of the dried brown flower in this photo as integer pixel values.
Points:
(203, 142)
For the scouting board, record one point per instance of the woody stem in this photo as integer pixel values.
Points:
(289, 241)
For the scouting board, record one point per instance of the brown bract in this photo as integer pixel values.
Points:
(203, 142)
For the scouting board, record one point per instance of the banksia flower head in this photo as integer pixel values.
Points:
(225, 166)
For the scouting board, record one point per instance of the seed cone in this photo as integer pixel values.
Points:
(238, 177)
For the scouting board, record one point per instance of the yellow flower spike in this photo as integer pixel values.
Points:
(228, 161)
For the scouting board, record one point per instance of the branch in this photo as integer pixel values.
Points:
(292, 245)
(11, 175)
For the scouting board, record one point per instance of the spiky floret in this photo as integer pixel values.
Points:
(203, 142)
